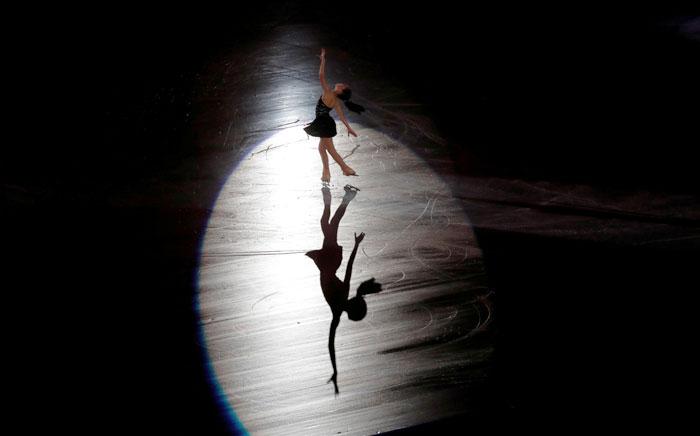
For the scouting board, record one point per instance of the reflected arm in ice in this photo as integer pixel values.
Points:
(331, 350)
(348, 269)
(328, 260)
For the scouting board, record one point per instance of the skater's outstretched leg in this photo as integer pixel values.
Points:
(330, 148)
(326, 175)
(338, 215)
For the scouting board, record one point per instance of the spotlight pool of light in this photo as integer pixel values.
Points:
(263, 319)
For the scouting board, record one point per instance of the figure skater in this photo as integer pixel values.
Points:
(328, 261)
(323, 126)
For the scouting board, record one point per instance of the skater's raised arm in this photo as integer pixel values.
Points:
(348, 269)
(322, 71)
(339, 109)
(331, 350)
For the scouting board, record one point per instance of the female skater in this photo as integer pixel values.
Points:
(324, 126)
(328, 260)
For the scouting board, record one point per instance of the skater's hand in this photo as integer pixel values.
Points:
(359, 239)
(334, 379)
(323, 53)
(351, 132)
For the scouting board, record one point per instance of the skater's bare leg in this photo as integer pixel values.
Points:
(325, 225)
(338, 215)
(328, 142)
(326, 175)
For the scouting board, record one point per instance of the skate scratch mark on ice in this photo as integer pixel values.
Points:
(449, 253)
(481, 323)
(403, 276)
(233, 260)
(263, 298)
(399, 119)
(252, 253)
(278, 127)
(227, 132)
(416, 257)
(375, 155)
(432, 209)
(352, 151)
(348, 155)
(215, 320)
(486, 302)
(400, 235)
(408, 121)
(271, 147)
(452, 316)
(430, 314)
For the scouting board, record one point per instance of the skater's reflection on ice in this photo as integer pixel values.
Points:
(328, 260)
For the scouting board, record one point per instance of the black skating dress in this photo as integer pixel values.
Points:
(324, 125)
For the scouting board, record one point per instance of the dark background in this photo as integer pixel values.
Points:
(103, 323)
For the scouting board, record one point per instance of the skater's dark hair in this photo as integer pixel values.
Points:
(356, 307)
(345, 96)
(369, 287)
